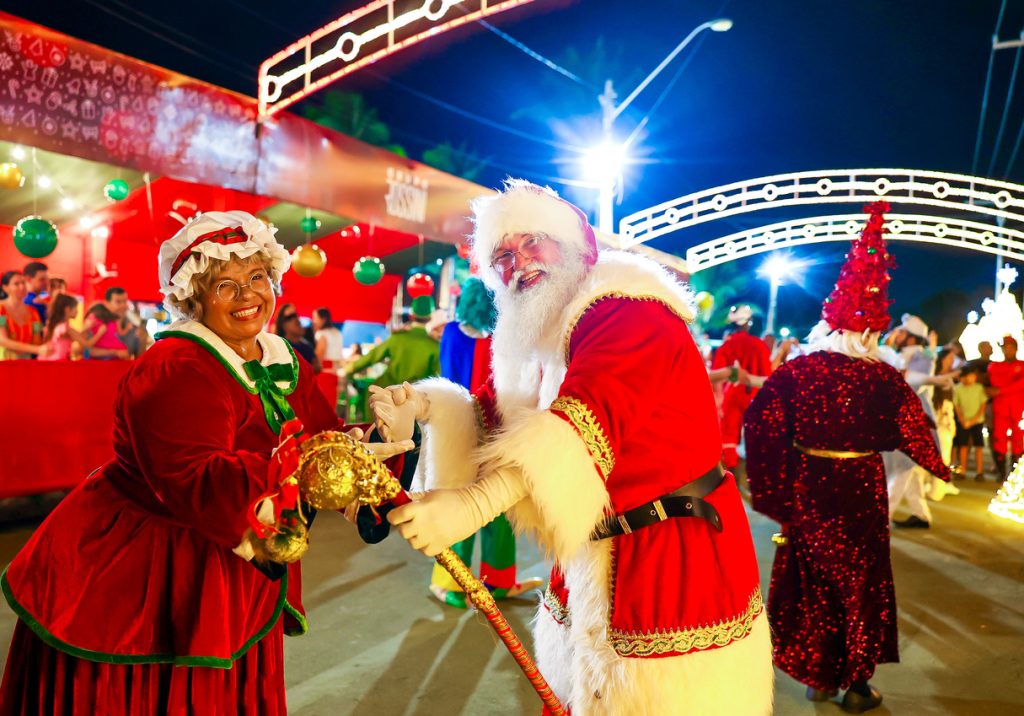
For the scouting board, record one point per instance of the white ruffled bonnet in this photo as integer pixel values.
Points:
(220, 235)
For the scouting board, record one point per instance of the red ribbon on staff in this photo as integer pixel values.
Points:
(284, 487)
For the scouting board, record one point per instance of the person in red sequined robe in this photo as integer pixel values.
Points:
(813, 434)
(600, 402)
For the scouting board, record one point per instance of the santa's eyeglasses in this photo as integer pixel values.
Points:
(505, 262)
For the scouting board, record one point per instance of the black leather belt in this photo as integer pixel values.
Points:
(687, 501)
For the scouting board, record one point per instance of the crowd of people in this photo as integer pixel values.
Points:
(38, 318)
(570, 402)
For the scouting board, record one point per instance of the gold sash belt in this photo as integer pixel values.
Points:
(834, 454)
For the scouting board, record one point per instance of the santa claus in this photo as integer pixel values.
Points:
(598, 434)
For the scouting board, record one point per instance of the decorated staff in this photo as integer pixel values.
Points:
(335, 470)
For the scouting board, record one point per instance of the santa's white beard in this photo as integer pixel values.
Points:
(528, 320)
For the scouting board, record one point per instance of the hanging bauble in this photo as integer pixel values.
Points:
(116, 190)
(308, 260)
(35, 237)
(11, 176)
(368, 270)
(463, 250)
(419, 284)
(705, 301)
(309, 224)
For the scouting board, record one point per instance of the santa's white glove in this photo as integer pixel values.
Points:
(396, 408)
(382, 450)
(440, 518)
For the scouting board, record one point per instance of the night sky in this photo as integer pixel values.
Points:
(796, 85)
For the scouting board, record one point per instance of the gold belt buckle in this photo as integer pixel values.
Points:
(660, 509)
(624, 524)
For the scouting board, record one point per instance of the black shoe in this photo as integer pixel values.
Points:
(814, 694)
(855, 703)
(912, 521)
(980, 477)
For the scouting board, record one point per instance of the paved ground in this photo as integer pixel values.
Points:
(379, 645)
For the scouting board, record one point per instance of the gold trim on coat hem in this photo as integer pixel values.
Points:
(613, 294)
(588, 427)
(686, 640)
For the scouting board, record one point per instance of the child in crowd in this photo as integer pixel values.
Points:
(969, 403)
(60, 335)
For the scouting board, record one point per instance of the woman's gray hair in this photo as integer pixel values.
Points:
(191, 308)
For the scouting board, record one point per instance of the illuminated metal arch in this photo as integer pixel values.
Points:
(845, 227)
(360, 38)
(954, 192)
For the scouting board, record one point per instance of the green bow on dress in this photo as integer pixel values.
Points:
(275, 407)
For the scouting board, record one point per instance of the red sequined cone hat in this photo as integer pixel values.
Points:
(860, 301)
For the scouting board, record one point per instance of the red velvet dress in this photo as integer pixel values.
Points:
(133, 577)
(832, 605)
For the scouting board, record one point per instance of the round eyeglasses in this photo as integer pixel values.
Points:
(228, 290)
(530, 249)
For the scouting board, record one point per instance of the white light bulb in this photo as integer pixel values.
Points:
(18, 152)
(67, 203)
(101, 232)
(87, 222)
(44, 182)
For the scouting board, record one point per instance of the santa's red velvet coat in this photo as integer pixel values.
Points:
(135, 566)
(832, 604)
(614, 410)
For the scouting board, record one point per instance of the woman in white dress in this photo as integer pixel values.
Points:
(330, 351)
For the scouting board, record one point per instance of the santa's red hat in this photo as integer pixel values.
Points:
(860, 301)
(523, 207)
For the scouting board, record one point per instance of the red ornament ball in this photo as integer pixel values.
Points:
(419, 284)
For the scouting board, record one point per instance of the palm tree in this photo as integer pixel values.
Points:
(460, 160)
(349, 113)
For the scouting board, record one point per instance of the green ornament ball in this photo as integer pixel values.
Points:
(309, 224)
(116, 190)
(368, 270)
(35, 237)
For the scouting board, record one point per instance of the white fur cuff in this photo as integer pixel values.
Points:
(450, 436)
(567, 497)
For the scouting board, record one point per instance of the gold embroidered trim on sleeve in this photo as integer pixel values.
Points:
(481, 418)
(590, 430)
(687, 640)
(558, 611)
(613, 294)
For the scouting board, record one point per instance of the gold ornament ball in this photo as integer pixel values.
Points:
(309, 260)
(286, 547)
(335, 469)
(705, 301)
(11, 176)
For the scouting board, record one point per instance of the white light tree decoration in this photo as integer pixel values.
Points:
(1002, 317)
(1009, 500)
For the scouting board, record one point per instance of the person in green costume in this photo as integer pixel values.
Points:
(411, 354)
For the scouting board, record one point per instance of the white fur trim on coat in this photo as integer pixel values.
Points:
(450, 436)
(592, 680)
(567, 496)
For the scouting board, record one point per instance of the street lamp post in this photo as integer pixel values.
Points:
(777, 269)
(611, 156)
(773, 301)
